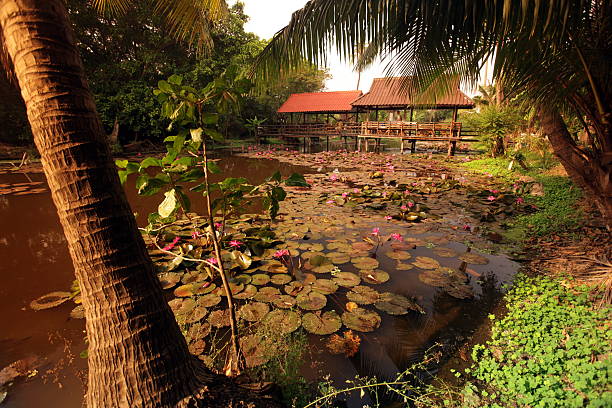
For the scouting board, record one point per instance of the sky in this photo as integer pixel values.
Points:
(269, 16)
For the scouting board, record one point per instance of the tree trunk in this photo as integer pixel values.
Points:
(137, 354)
(592, 172)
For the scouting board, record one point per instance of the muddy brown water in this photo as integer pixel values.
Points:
(34, 261)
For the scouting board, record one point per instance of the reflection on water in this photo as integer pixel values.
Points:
(35, 261)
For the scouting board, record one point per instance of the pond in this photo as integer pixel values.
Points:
(35, 261)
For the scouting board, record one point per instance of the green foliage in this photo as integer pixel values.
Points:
(493, 123)
(497, 167)
(556, 210)
(552, 349)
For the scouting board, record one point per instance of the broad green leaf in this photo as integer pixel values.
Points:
(192, 175)
(185, 201)
(275, 177)
(164, 86)
(214, 135)
(278, 193)
(210, 118)
(150, 161)
(175, 79)
(121, 163)
(196, 134)
(213, 167)
(169, 205)
(152, 186)
(123, 176)
(296, 180)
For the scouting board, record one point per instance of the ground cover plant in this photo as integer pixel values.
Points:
(552, 349)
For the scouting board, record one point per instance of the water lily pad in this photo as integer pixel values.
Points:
(284, 302)
(295, 288)
(361, 320)
(404, 266)
(254, 312)
(424, 262)
(219, 318)
(198, 331)
(346, 279)
(267, 294)
(338, 258)
(277, 269)
(192, 289)
(459, 290)
(474, 259)
(255, 350)
(169, 280)
(197, 347)
(437, 239)
(374, 277)
(235, 288)
(365, 262)
(196, 314)
(324, 286)
(248, 292)
(283, 321)
(308, 278)
(321, 324)
(364, 295)
(281, 279)
(395, 304)
(399, 255)
(323, 269)
(50, 300)
(209, 300)
(243, 278)
(311, 301)
(362, 246)
(445, 252)
(260, 279)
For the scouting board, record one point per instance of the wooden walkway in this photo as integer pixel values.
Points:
(408, 133)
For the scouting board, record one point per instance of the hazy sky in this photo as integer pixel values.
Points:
(269, 16)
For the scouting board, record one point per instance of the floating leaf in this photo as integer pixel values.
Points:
(284, 302)
(327, 323)
(324, 286)
(244, 279)
(242, 259)
(255, 350)
(399, 255)
(198, 331)
(459, 290)
(283, 321)
(324, 268)
(339, 259)
(347, 344)
(364, 295)
(254, 312)
(209, 300)
(295, 288)
(404, 267)
(311, 301)
(192, 289)
(197, 347)
(196, 314)
(267, 294)
(346, 279)
(169, 280)
(445, 252)
(365, 262)
(374, 277)
(260, 279)
(361, 320)
(424, 262)
(393, 304)
(50, 300)
(475, 259)
(219, 318)
(248, 292)
(281, 279)
(235, 288)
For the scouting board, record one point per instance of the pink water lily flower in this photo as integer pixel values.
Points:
(172, 244)
(375, 231)
(333, 177)
(520, 200)
(281, 252)
(330, 202)
(356, 191)
(196, 234)
(397, 237)
(235, 244)
(491, 198)
(388, 217)
(410, 204)
(218, 225)
(466, 227)
(344, 195)
(494, 191)
(403, 207)
(212, 261)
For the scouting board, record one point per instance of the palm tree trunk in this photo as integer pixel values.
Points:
(591, 171)
(137, 355)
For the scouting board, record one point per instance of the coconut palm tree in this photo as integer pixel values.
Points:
(137, 354)
(557, 53)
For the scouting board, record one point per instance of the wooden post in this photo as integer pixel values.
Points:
(327, 142)
(411, 113)
(413, 146)
(377, 114)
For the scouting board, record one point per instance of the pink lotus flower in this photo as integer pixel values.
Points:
(280, 253)
(344, 195)
(218, 225)
(388, 217)
(407, 192)
(356, 191)
(520, 200)
(466, 227)
(212, 261)
(491, 198)
(235, 244)
(403, 207)
(375, 231)
(333, 177)
(410, 204)
(330, 202)
(494, 191)
(172, 244)
(397, 237)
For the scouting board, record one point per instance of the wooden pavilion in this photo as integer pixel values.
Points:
(304, 105)
(394, 95)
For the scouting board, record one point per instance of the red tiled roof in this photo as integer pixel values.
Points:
(320, 102)
(388, 92)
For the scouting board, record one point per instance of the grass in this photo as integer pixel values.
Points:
(556, 211)
(552, 349)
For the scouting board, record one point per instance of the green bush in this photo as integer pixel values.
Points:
(552, 349)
